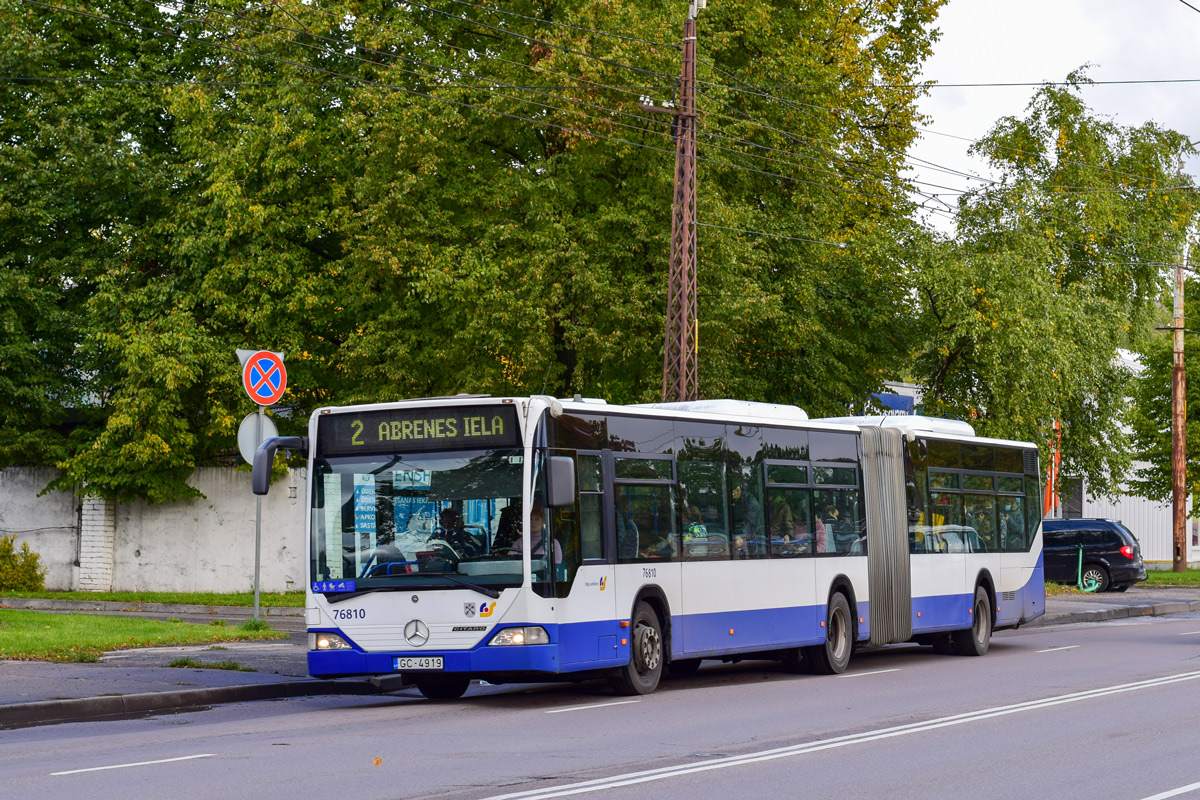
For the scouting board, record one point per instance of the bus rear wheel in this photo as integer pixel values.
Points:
(832, 657)
(443, 687)
(644, 670)
(975, 640)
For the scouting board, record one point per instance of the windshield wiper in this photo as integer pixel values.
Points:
(484, 590)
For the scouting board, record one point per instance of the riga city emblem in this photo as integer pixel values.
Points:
(469, 609)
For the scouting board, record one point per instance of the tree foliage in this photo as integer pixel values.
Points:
(1056, 268)
(416, 199)
(1150, 417)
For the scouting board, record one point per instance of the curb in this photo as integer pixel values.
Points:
(38, 604)
(1123, 612)
(93, 708)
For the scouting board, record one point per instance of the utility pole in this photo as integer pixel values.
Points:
(681, 338)
(1179, 428)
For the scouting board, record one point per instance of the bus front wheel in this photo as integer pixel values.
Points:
(832, 657)
(644, 670)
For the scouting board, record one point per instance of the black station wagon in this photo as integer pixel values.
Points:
(1112, 557)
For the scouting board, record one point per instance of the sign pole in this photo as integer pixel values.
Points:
(257, 519)
(264, 378)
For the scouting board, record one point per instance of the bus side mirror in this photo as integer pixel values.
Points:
(560, 481)
(264, 457)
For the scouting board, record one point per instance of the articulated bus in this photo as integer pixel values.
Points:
(535, 539)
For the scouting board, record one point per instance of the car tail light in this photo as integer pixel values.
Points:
(1127, 551)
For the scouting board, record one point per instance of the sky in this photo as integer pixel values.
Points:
(1007, 41)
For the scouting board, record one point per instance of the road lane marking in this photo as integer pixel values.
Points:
(594, 705)
(1175, 792)
(1189, 633)
(861, 674)
(137, 764)
(1056, 649)
(662, 773)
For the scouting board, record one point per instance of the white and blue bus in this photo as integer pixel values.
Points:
(533, 539)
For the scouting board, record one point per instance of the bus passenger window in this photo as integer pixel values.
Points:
(645, 518)
(790, 523)
(705, 533)
(981, 518)
(1012, 525)
(839, 510)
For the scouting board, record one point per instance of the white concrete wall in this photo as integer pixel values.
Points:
(207, 544)
(49, 524)
(201, 545)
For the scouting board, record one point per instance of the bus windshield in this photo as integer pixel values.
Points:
(430, 520)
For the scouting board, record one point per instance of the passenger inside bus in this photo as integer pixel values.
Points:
(508, 530)
(537, 529)
(454, 533)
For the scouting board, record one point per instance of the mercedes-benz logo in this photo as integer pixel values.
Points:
(416, 633)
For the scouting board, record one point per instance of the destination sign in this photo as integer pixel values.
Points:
(418, 430)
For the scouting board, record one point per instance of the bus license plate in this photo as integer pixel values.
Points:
(422, 663)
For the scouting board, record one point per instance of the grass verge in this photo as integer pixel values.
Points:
(1165, 577)
(39, 636)
(278, 599)
(192, 663)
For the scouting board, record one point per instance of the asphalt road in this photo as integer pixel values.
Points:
(1103, 710)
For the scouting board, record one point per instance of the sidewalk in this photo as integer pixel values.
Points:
(132, 682)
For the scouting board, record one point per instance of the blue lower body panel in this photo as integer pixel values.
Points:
(947, 612)
(586, 646)
(745, 631)
(599, 645)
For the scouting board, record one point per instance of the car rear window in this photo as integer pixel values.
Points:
(1121, 527)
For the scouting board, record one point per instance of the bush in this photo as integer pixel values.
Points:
(20, 570)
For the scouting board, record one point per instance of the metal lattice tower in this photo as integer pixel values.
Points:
(680, 345)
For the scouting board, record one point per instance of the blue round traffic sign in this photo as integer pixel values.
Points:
(264, 377)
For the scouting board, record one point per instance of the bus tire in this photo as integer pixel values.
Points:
(832, 657)
(974, 641)
(644, 670)
(443, 687)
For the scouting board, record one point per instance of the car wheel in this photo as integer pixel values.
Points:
(443, 687)
(1094, 573)
(644, 670)
(832, 657)
(975, 640)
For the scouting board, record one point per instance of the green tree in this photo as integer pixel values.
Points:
(415, 200)
(1056, 268)
(1150, 417)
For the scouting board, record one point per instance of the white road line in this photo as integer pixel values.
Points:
(1175, 792)
(594, 705)
(861, 674)
(1056, 649)
(631, 778)
(138, 764)
(1189, 633)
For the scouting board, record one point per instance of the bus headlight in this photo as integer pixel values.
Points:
(327, 641)
(532, 634)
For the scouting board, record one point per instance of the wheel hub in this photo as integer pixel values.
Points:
(648, 652)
